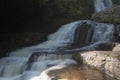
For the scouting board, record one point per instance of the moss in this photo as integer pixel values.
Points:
(116, 19)
(77, 57)
(103, 17)
(107, 18)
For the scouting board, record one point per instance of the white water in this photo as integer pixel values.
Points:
(101, 5)
(61, 38)
(103, 32)
(59, 65)
(16, 66)
(18, 59)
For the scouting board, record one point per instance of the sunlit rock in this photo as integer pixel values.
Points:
(106, 61)
(117, 48)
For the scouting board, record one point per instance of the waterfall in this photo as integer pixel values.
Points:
(29, 64)
(33, 63)
(103, 32)
(101, 5)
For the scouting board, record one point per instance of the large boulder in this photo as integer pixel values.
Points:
(111, 15)
(117, 48)
(106, 61)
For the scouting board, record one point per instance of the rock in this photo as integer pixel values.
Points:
(117, 48)
(106, 61)
(118, 33)
(78, 73)
(111, 15)
(108, 46)
(82, 32)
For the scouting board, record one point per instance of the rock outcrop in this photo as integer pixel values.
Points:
(117, 48)
(106, 61)
(111, 15)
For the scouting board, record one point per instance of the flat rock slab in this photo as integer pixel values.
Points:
(78, 73)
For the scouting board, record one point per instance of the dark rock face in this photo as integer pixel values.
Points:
(105, 46)
(111, 15)
(81, 36)
(118, 32)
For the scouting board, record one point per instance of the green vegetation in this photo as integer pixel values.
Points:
(116, 2)
(47, 9)
(101, 17)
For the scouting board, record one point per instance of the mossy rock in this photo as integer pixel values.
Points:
(103, 17)
(116, 19)
(111, 15)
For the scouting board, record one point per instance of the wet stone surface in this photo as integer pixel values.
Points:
(78, 73)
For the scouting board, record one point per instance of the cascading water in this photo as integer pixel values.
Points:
(27, 64)
(101, 5)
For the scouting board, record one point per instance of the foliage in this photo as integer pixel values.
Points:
(30, 14)
(116, 2)
(75, 9)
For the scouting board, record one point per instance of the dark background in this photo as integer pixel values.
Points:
(29, 22)
(37, 15)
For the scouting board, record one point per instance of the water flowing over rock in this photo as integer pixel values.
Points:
(28, 62)
(33, 63)
(101, 5)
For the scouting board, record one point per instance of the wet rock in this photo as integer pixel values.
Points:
(79, 73)
(117, 33)
(105, 46)
(106, 61)
(82, 32)
(111, 15)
